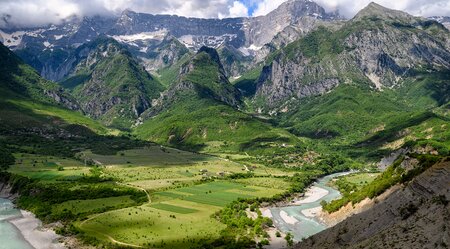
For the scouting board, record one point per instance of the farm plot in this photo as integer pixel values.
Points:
(177, 218)
(48, 168)
(94, 205)
(152, 156)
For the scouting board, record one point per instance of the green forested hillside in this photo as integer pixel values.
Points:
(110, 85)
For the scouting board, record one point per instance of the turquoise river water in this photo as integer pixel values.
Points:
(10, 236)
(305, 226)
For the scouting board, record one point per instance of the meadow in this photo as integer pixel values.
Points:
(175, 218)
(185, 190)
(48, 168)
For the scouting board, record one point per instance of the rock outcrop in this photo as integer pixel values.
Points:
(415, 216)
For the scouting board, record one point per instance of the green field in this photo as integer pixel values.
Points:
(177, 218)
(361, 179)
(174, 209)
(155, 156)
(48, 168)
(87, 206)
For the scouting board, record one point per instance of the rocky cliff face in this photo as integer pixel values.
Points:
(415, 216)
(261, 30)
(164, 55)
(379, 47)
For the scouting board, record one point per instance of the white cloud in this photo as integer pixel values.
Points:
(41, 12)
(349, 8)
(266, 6)
(425, 8)
(238, 9)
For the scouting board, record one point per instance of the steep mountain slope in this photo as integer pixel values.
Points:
(200, 112)
(415, 215)
(20, 79)
(374, 82)
(109, 84)
(378, 48)
(30, 105)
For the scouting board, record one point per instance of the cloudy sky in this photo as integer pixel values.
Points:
(38, 12)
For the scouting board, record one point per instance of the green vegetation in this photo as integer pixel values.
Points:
(185, 211)
(194, 124)
(354, 182)
(117, 80)
(174, 209)
(318, 44)
(392, 175)
(247, 82)
(115, 188)
(169, 75)
(100, 205)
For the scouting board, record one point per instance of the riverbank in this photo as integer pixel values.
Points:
(301, 217)
(34, 233)
(31, 229)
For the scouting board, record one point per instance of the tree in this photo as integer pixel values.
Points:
(6, 158)
(289, 239)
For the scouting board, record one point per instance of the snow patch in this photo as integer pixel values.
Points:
(13, 39)
(250, 50)
(196, 41)
(157, 35)
(143, 50)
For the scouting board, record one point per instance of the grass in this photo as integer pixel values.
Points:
(155, 228)
(89, 206)
(47, 168)
(177, 218)
(266, 182)
(174, 209)
(361, 179)
(156, 156)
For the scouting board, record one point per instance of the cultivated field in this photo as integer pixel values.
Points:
(185, 190)
(176, 218)
(47, 168)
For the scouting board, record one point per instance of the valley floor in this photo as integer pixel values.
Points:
(183, 192)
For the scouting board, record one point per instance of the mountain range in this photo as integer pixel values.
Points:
(129, 71)
(289, 88)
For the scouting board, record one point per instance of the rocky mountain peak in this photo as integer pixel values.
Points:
(299, 8)
(128, 12)
(374, 10)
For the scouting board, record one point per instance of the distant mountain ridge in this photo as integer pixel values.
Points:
(145, 33)
(445, 20)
